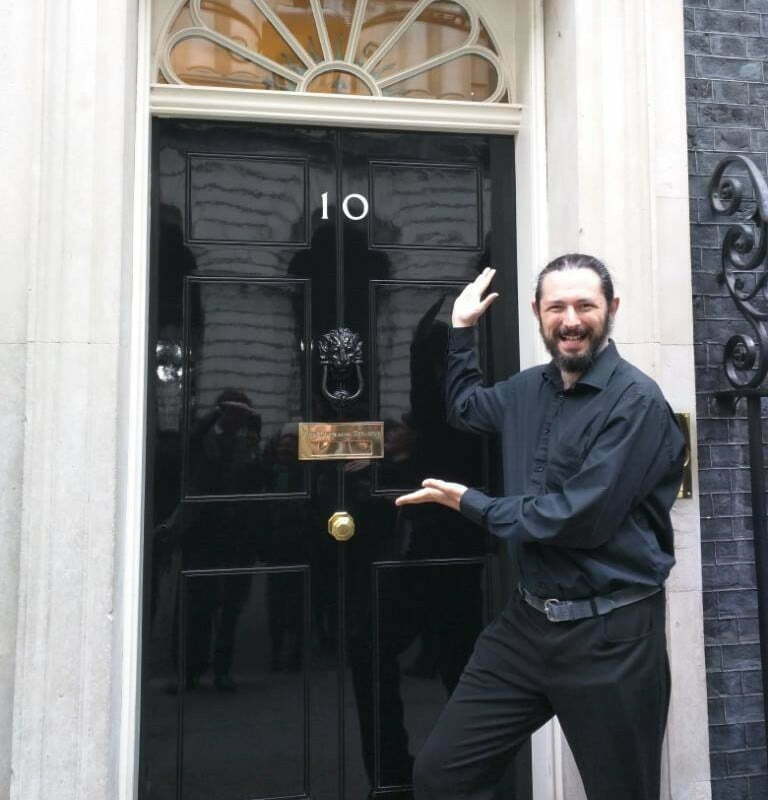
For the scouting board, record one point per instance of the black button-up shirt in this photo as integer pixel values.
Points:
(590, 473)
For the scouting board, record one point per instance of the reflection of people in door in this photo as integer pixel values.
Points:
(432, 612)
(224, 447)
(287, 545)
(291, 540)
(451, 606)
(223, 459)
(166, 389)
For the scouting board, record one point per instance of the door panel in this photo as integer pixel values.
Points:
(218, 738)
(235, 552)
(425, 206)
(247, 372)
(244, 199)
(409, 323)
(279, 662)
(409, 633)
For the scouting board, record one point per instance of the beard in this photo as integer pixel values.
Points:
(583, 361)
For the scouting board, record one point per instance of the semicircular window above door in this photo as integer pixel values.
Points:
(426, 49)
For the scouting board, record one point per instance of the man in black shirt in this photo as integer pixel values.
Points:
(592, 463)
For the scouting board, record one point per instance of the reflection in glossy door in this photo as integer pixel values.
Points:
(279, 661)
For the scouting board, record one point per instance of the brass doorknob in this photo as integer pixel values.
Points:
(341, 526)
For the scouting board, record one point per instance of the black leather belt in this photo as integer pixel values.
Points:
(568, 610)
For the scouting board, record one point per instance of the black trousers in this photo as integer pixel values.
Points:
(606, 678)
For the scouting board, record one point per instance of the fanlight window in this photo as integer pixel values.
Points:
(395, 48)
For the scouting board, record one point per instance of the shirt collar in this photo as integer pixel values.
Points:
(597, 375)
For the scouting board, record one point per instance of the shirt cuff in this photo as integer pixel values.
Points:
(473, 505)
(462, 338)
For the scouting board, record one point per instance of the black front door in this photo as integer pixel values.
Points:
(279, 661)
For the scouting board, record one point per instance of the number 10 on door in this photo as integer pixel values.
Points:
(355, 217)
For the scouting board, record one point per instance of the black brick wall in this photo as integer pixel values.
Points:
(726, 47)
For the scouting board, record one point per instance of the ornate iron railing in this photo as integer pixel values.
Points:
(744, 197)
(744, 250)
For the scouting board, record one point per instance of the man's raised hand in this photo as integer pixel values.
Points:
(435, 491)
(470, 305)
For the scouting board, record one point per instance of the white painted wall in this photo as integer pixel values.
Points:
(70, 164)
(19, 144)
(618, 188)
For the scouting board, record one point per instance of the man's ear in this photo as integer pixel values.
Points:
(535, 309)
(614, 306)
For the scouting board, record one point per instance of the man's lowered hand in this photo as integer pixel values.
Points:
(435, 491)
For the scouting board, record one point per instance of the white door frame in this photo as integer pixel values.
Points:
(525, 121)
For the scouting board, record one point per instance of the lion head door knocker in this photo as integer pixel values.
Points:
(341, 356)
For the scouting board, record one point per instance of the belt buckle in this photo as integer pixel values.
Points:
(548, 608)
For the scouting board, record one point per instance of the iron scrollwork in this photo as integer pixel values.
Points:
(745, 273)
(744, 250)
(341, 357)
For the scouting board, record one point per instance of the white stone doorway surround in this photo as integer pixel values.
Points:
(606, 173)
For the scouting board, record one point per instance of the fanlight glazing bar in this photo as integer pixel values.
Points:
(285, 32)
(354, 31)
(322, 31)
(391, 40)
(217, 38)
(445, 58)
(341, 66)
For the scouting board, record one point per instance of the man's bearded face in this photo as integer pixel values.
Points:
(574, 318)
